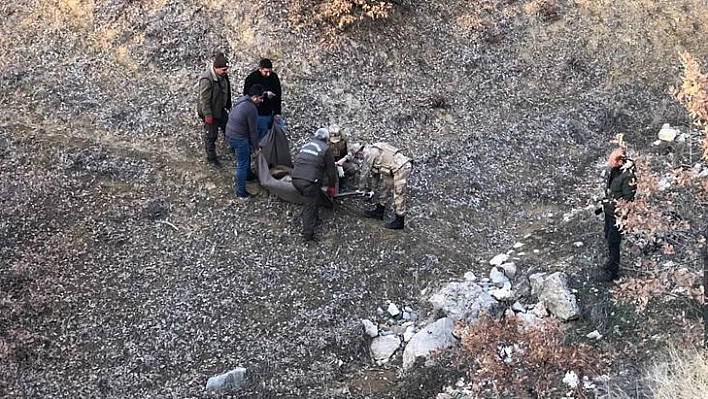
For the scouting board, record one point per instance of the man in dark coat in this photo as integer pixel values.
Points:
(242, 134)
(268, 110)
(214, 104)
(313, 165)
(621, 184)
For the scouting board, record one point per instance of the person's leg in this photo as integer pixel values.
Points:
(400, 182)
(264, 123)
(310, 197)
(243, 161)
(210, 134)
(610, 270)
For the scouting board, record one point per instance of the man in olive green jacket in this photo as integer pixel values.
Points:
(214, 104)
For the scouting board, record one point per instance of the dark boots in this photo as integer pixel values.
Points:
(377, 213)
(397, 223)
(610, 270)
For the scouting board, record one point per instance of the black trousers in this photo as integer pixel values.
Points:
(211, 133)
(311, 192)
(613, 237)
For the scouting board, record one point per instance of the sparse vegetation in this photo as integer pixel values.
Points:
(508, 358)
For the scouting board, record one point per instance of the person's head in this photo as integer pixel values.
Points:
(256, 93)
(356, 149)
(616, 158)
(265, 67)
(221, 64)
(335, 133)
(322, 133)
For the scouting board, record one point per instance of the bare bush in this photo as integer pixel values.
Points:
(512, 359)
(693, 94)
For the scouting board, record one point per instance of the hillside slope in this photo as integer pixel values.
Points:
(127, 267)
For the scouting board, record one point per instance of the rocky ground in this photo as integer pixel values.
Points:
(128, 269)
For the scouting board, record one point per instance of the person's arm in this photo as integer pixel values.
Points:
(253, 127)
(247, 84)
(278, 96)
(228, 94)
(205, 96)
(330, 169)
(365, 177)
(629, 187)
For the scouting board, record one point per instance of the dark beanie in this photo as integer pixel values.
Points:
(256, 90)
(265, 63)
(220, 61)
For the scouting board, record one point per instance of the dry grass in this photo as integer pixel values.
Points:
(681, 374)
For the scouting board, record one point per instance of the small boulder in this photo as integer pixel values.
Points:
(437, 335)
(229, 381)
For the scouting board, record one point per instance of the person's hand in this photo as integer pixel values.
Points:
(208, 119)
(341, 161)
(330, 191)
(276, 117)
(256, 152)
(270, 94)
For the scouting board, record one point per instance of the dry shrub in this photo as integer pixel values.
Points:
(682, 374)
(340, 14)
(667, 284)
(512, 359)
(693, 94)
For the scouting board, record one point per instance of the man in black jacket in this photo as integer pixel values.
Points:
(621, 184)
(268, 110)
(214, 104)
(313, 164)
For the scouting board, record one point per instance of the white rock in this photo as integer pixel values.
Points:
(498, 277)
(231, 380)
(594, 335)
(536, 283)
(578, 244)
(499, 259)
(437, 335)
(539, 310)
(558, 299)
(383, 347)
(469, 276)
(667, 133)
(409, 333)
(657, 142)
(571, 379)
(502, 294)
(393, 310)
(370, 328)
(518, 307)
(518, 245)
(509, 269)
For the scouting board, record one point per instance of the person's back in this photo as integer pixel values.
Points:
(314, 162)
(242, 115)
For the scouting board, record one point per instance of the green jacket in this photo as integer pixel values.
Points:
(214, 95)
(621, 184)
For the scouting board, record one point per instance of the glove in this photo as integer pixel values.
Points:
(598, 211)
(208, 119)
(330, 192)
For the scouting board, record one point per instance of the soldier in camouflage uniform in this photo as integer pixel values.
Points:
(386, 170)
(347, 165)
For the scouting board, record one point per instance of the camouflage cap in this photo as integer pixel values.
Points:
(335, 133)
(356, 147)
